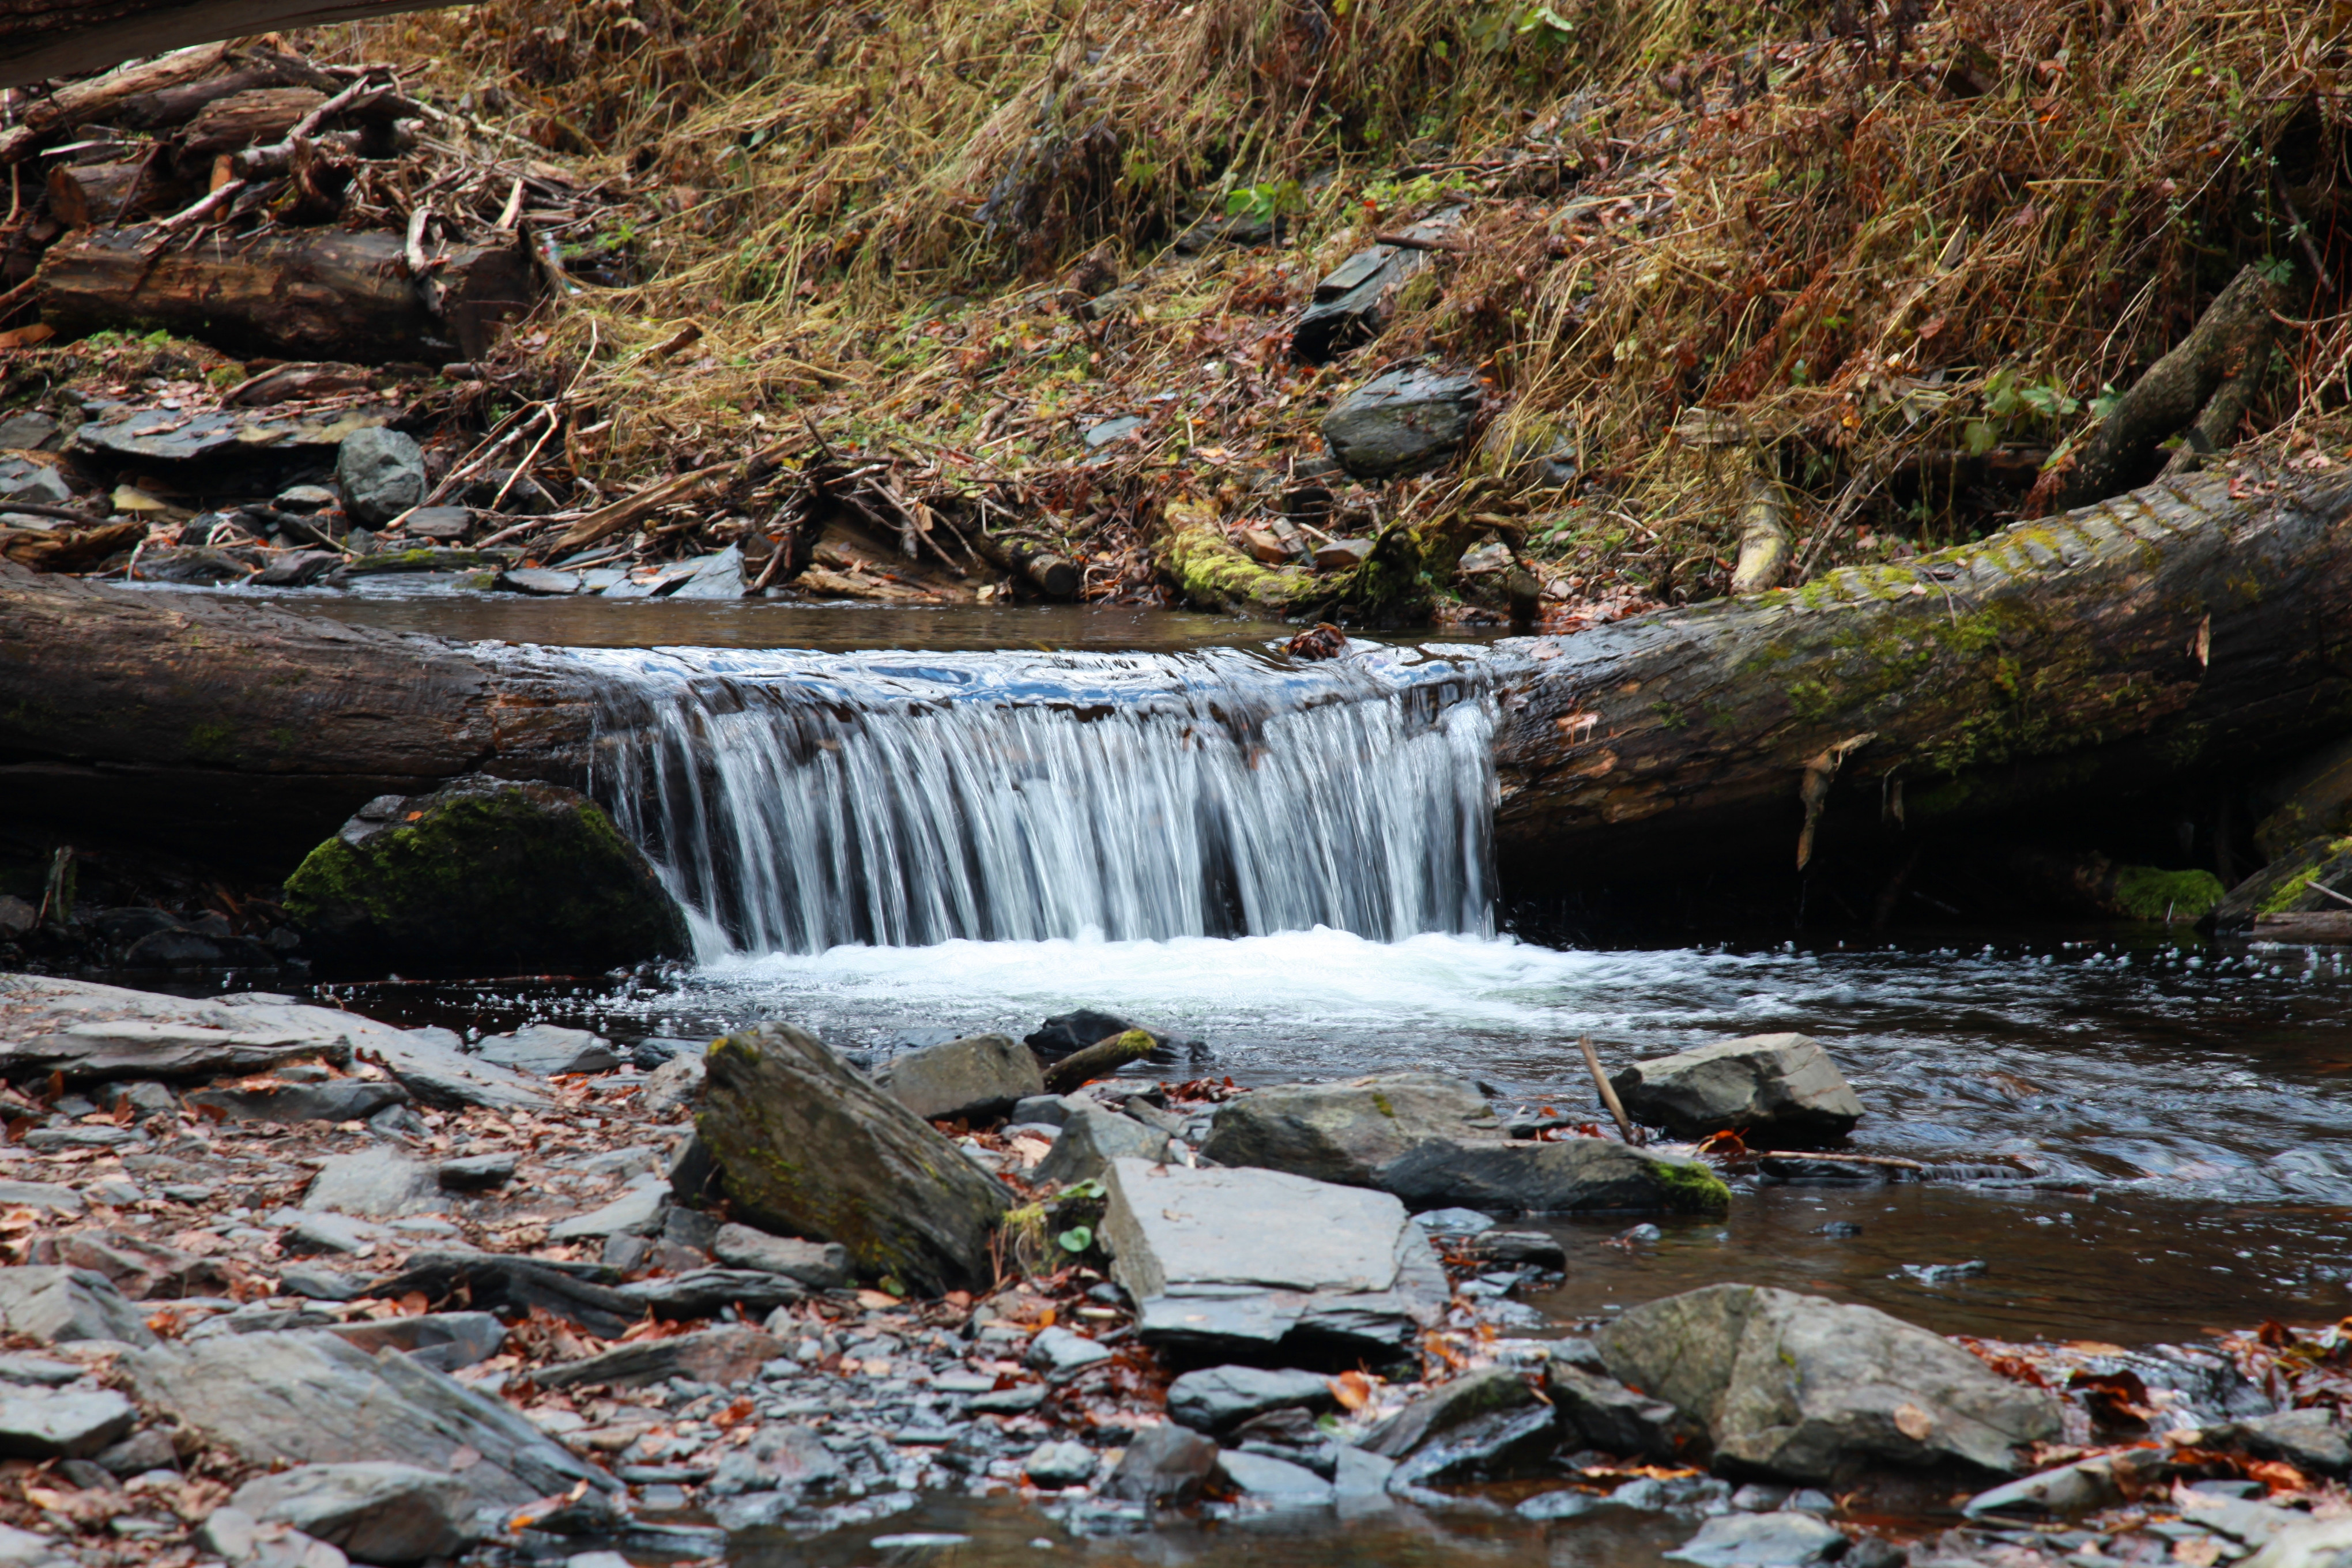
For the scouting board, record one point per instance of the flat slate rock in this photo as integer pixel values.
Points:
(373, 1510)
(819, 1265)
(548, 1050)
(501, 1282)
(62, 1424)
(46, 1196)
(1763, 1541)
(1402, 422)
(307, 1397)
(1775, 1091)
(338, 1100)
(727, 1355)
(1345, 1131)
(164, 436)
(1218, 1398)
(57, 1305)
(377, 1183)
(1571, 1175)
(1090, 1138)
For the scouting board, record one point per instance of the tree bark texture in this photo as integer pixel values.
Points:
(2192, 628)
(92, 196)
(309, 294)
(45, 39)
(223, 730)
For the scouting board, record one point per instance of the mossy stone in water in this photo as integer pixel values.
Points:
(485, 876)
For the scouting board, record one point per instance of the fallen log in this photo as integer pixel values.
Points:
(313, 295)
(83, 102)
(92, 196)
(61, 38)
(2183, 630)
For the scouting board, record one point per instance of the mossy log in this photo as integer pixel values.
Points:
(232, 731)
(1395, 584)
(2187, 630)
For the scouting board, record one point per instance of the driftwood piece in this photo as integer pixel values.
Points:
(172, 106)
(2168, 634)
(2322, 926)
(315, 294)
(2201, 387)
(81, 102)
(95, 196)
(60, 38)
(1098, 1060)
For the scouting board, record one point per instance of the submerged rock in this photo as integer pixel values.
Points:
(1775, 1091)
(1595, 1411)
(807, 1145)
(1804, 1389)
(1763, 1541)
(485, 876)
(1165, 1465)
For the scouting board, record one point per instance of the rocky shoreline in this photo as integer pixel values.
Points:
(291, 1287)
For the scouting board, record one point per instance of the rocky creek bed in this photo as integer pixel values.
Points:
(288, 1285)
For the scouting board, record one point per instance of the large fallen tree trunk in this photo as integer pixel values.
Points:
(316, 294)
(228, 731)
(44, 39)
(2184, 630)
(2193, 628)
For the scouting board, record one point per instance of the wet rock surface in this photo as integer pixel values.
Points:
(1774, 1090)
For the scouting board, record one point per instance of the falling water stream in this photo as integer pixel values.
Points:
(1292, 863)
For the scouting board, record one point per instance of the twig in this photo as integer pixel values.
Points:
(218, 197)
(32, 508)
(554, 422)
(2303, 232)
(1608, 1094)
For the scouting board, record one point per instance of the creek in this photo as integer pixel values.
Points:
(2140, 1136)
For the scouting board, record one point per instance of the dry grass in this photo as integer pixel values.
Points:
(1906, 251)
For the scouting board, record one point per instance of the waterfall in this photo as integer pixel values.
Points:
(796, 802)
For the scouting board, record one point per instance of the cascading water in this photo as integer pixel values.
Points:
(797, 801)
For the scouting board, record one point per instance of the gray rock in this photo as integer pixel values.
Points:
(336, 1099)
(330, 1233)
(1799, 1388)
(548, 1050)
(809, 1146)
(22, 479)
(2312, 1440)
(379, 1183)
(1061, 1464)
(444, 1341)
(1352, 302)
(427, 1063)
(819, 1265)
(310, 1398)
(1515, 1249)
(1763, 1541)
(2083, 1487)
(298, 568)
(1435, 1415)
(1275, 1481)
(537, 580)
(676, 1083)
(476, 1172)
(55, 1306)
(1091, 1137)
(381, 473)
(50, 1423)
(705, 1292)
(1687, 1494)
(241, 1540)
(1044, 1110)
(197, 565)
(1572, 1175)
(140, 1453)
(1598, 1412)
(1344, 1133)
(1775, 1091)
(46, 1197)
(36, 1371)
(973, 1079)
(373, 1510)
(719, 577)
(636, 1212)
(1163, 1465)
(25, 431)
(2320, 1543)
(1061, 1354)
(1243, 1261)
(444, 524)
(1217, 1399)
(1402, 422)
(727, 1355)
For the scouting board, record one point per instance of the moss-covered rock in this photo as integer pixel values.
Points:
(807, 1146)
(485, 876)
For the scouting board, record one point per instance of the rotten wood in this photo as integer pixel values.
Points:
(64, 38)
(94, 195)
(86, 102)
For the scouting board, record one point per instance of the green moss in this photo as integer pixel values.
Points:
(2147, 894)
(1691, 1188)
(1380, 1103)
(2290, 890)
(210, 740)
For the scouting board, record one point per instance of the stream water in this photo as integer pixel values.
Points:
(1290, 865)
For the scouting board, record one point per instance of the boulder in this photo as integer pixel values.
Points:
(783, 1459)
(1163, 1465)
(819, 1265)
(1218, 1398)
(973, 1080)
(1092, 1137)
(336, 1100)
(1438, 1413)
(548, 1050)
(1570, 1176)
(807, 1145)
(54, 1306)
(310, 1398)
(1272, 1480)
(1763, 1541)
(375, 1511)
(1240, 1262)
(1774, 1090)
(485, 876)
(381, 473)
(2313, 1440)
(1344, 1133)
(1066, 1033)
(673, 1086)
(1803, 1389)
(61, 1423)
(1402, 422)
(727, 1356)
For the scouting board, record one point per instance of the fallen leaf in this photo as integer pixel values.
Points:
(1913, 1422)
